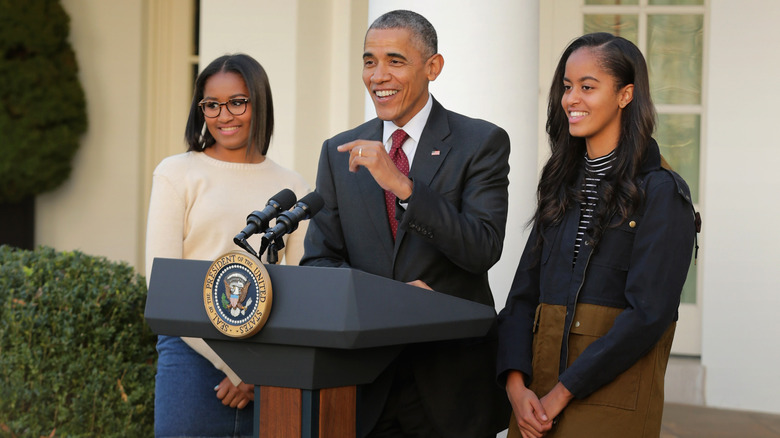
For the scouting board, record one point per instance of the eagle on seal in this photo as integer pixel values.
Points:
(238, 293)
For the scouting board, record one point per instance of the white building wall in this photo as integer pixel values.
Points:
(740, 241)
(96, 209)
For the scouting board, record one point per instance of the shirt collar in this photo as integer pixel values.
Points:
(414, 127)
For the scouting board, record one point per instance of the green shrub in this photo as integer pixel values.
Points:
(42, 106)
(76, 356)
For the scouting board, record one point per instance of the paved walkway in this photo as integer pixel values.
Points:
(687, 421)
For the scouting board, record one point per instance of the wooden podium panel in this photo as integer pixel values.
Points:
(294, 413)
(336, 419)
(280, 412)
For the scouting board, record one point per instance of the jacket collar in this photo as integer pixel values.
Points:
(652, 160)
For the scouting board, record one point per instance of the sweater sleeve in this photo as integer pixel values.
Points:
(200, 346)
(165, 222)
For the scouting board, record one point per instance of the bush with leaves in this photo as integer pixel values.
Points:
(42, 106)
(76, 356)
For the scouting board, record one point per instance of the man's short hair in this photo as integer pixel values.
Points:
(422, 30)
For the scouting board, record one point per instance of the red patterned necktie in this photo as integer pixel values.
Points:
(402, 163)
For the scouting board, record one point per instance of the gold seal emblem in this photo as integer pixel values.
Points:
(237, 294)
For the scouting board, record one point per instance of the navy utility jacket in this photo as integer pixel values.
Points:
(639, 266)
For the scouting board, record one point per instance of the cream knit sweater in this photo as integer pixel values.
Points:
(198, 204)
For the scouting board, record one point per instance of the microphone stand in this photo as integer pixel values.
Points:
(246, 246)
(273, 248)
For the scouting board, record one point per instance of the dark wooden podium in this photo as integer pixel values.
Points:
(329, 330)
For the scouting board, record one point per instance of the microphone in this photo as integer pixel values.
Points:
(287, 222)
(258, 220)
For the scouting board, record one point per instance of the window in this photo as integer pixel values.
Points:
(671, 35)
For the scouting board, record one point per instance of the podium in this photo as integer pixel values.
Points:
(329, 330)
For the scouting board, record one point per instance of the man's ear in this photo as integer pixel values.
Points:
(625, 95)
(434, 65)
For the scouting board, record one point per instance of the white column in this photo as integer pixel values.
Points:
(740, 237)
(490, 72)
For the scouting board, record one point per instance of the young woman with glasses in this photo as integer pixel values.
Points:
(200, 200)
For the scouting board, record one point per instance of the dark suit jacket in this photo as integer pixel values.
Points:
(451, 233)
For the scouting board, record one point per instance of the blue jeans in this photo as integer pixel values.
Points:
(185, 403)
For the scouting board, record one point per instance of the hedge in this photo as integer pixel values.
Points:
(76, 356)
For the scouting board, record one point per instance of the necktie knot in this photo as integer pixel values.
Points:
(399, 137)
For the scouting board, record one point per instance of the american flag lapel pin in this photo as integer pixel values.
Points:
(435, 152)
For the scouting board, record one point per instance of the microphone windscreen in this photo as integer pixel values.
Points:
(286, 199)
(314, 201)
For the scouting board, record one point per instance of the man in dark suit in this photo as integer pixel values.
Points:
(450, 213)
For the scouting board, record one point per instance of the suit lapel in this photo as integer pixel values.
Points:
(432, 150)
(431, 153)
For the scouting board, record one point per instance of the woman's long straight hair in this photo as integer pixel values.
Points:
(557, 190)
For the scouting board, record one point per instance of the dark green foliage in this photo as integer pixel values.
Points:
(42, 105)
(76, 356)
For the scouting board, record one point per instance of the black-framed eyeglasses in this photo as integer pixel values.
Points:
(212, 108)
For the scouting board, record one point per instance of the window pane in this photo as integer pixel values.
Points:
(689, 289)
(679, 140)
(676, 2)
(620, 25)
(674, 58)
(611, 2)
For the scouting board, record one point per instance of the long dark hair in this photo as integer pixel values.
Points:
(557, 190)
(262, 125)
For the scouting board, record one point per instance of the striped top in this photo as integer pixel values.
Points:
(595, 169)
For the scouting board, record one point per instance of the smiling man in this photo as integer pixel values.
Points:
(419, 195)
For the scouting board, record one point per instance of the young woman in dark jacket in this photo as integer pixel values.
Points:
(588, 324)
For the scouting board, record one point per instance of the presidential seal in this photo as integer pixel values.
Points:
(237, 294)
